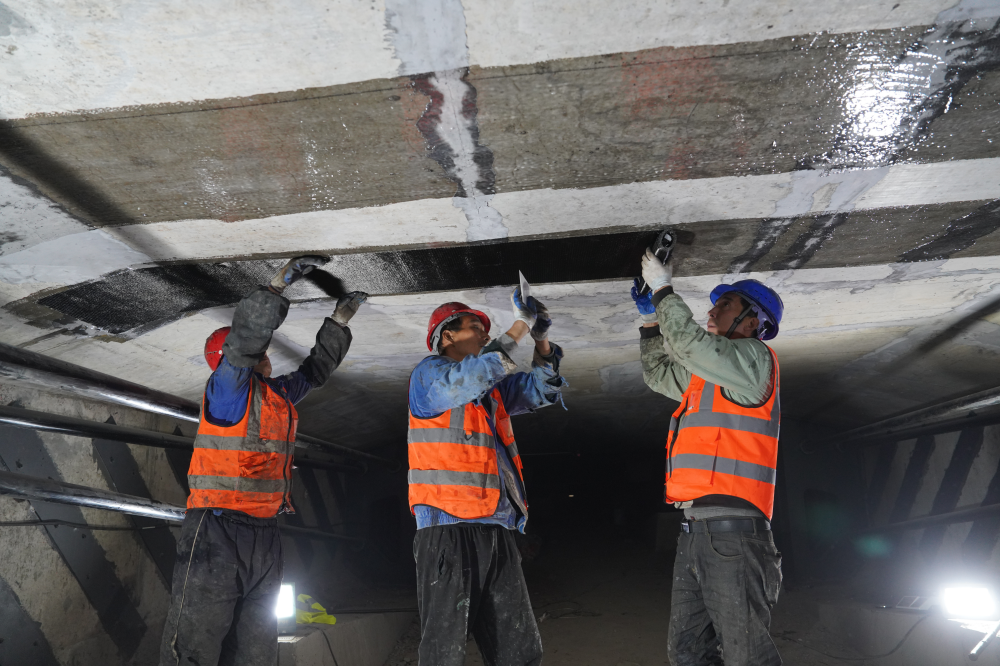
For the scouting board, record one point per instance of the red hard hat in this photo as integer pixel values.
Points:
(449, 311)
(213, 347)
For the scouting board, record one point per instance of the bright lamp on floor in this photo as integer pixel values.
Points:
(968, 602)
(286, 602)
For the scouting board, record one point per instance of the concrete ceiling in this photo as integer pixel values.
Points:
(155, 160)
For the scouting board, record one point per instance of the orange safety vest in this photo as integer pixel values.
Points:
(717, 447)
(248, 466)
(453, 460)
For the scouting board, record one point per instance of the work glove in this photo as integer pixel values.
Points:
(656, 274)
(524, 312)
(347, 307)
(540, 331)
(295, 269)
(644, 302)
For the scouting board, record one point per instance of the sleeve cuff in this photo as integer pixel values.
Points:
(661, 294)
(649, 332)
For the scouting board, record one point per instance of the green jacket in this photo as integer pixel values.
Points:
(742, 368)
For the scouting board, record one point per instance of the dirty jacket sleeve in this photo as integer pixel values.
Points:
(332, 344)
(527, 391)
(742, 368)
(255, 320)
(439, 383)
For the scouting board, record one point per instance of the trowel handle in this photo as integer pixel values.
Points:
(661, 248)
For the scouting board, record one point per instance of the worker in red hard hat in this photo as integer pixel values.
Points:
(722, 455)
(466, 488)
(228, 572)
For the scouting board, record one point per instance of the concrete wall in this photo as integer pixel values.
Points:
(57, 605)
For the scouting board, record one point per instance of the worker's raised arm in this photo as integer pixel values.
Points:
(742, 367)
(439, 383)
(659, 371)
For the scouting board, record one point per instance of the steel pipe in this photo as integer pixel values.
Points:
(960, 516)
(981, 408)
(33, 488)
(30, 367)
(67, 493)
(23, 366)
(69, 425)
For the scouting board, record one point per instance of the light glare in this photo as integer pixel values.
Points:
(968, 602)
(286, 602)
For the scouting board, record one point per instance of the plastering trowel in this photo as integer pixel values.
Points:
(525, 288)
(661, 248)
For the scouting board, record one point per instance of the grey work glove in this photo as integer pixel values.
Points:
(295, 269)
(656, 274)
(347, 307)
(523, 312)
(540, 331)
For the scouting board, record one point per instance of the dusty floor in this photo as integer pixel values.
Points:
(605, 602)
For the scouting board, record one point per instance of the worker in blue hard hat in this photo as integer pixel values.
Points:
(722, 453)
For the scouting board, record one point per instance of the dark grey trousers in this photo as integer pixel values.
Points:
(225, 589)
(469, 581)
(720, 610)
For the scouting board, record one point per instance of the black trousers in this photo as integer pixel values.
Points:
(225, 589)
(725, 585)
(469, 581)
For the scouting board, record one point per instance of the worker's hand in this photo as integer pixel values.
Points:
(295, 269)
(347, 307)
(526, 312)
(644, 302)
(656, 274)
(540, 331)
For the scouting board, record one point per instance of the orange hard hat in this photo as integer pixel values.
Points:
(213, 347)
(449, 311)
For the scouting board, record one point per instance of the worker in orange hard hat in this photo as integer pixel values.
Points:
(228, 571)
(466, 488)
(722, 456)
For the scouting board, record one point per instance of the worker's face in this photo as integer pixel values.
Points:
(264, 367)
(468, 340)
(727, 308)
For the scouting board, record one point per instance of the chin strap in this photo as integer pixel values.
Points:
(736, 322)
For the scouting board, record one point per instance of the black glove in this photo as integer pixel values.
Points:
(347, 307)
(295, 269)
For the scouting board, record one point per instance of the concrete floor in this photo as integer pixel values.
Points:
(605, 601)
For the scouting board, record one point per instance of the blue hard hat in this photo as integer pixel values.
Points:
(763, 298)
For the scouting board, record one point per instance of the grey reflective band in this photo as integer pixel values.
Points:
(707, 397)
(707, 463)
(237, 443)
(448, 436)
(244, 484)
(456, 418)
(441, 477)
(512, 450)
(766, 427)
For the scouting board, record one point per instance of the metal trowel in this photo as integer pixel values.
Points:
(525, 288)
(661, 248)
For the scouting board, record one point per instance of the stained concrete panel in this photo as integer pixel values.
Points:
(693, 112)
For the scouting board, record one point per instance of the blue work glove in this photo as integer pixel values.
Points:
(524, 312)
(543, 321)
(644, 302)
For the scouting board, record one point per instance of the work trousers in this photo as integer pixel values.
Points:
(469, 581)
(725, 585)
(225, 590)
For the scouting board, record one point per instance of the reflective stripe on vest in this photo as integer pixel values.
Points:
(453, 460)
(247, 466)
(717, 447)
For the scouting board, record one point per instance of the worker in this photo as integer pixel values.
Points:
(722, 450)
(465, 483)
(228, 572)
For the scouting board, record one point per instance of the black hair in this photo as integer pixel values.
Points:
(453, 325)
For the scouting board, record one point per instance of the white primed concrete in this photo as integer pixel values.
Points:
(94, 54)
(526, 31)
(528, 213)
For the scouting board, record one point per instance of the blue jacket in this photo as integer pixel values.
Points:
(228, 391)
(440, 383)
